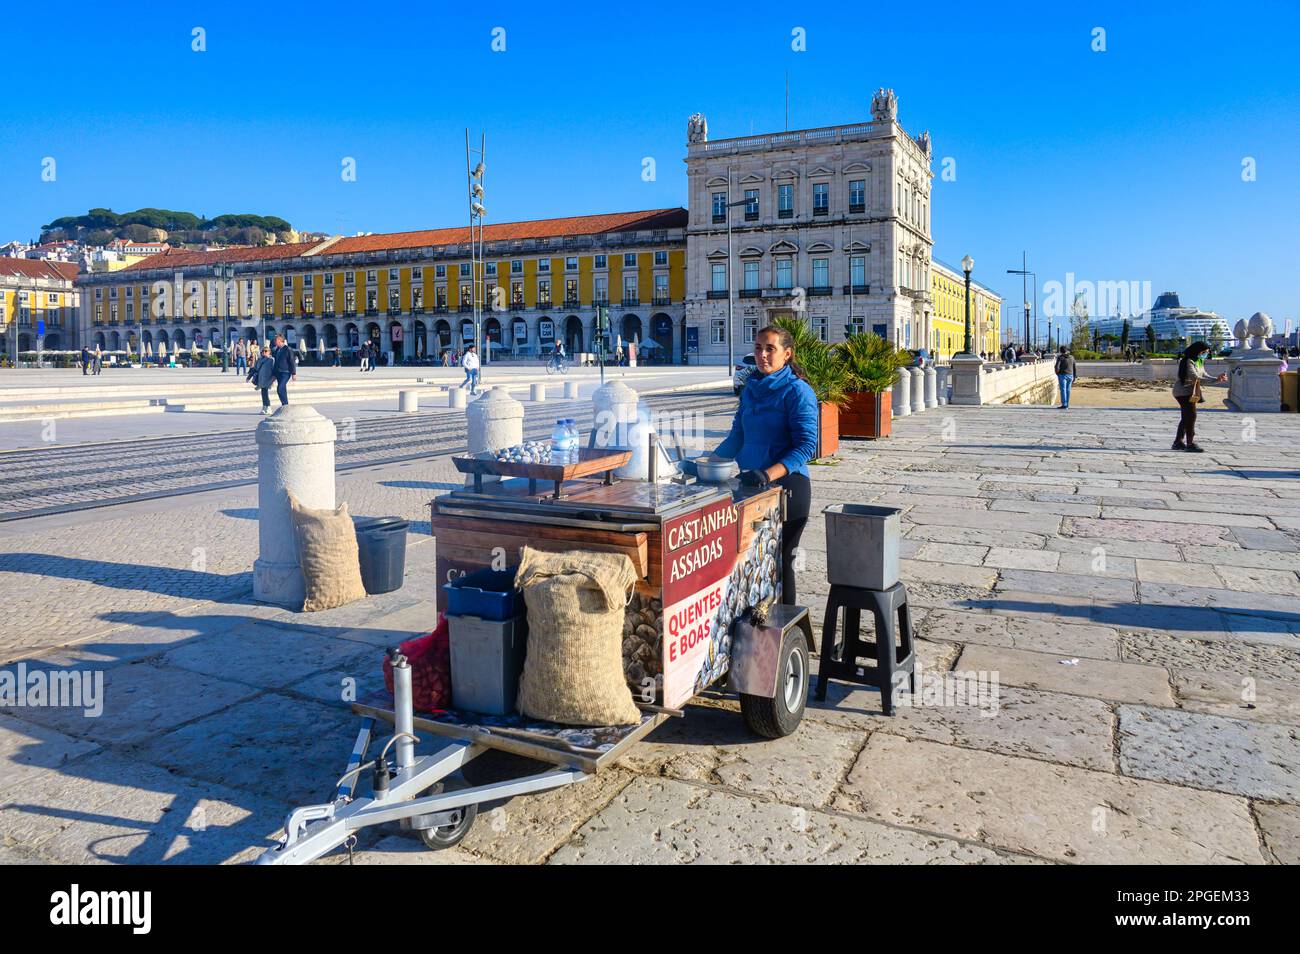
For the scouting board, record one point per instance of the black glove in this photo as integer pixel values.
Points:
(755, 478)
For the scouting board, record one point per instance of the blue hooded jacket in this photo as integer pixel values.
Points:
(776, 423)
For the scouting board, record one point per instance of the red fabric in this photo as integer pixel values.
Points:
(430, 659)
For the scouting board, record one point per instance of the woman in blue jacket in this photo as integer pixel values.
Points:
(774, 435)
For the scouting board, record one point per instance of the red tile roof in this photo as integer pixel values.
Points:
(505, 231)
(39, 268)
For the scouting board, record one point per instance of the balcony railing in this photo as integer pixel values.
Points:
(350, 313)
(821, 210)
(785, 214)
(662, 300)
(777, 292)
(394, 312)
(440, 309)
(466, 306)
(820, 290)
(372, 312)
(857, 289)
(716, 293)
(751, 293)
(718, 218)
(751, 216)
(417, 309)
(327, 313)
(855, 207)
(631, 302)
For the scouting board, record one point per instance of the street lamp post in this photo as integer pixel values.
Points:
(1025, 274)
(731, 294)
(227, 275)
(967, 265)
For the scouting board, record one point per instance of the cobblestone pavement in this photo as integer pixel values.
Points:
(1140, 609)
(57, 479)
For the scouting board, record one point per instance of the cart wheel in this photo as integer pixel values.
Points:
(778, 717)
(449, 836)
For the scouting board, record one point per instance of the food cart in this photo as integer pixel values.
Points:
(705, 613)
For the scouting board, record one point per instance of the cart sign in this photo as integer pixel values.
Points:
(699, 554)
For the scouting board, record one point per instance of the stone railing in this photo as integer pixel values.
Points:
(1151, 369)
(976, 382)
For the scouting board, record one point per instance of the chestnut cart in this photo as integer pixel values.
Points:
(705, 615)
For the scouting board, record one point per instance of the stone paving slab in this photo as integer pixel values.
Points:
(1099, 678)
(27, 749)
(1050, 811)
(1280, 825)
(1238, 697)
(1238, 658)
(991, 629)
(661, 821)
(105, 808)
(1226, 755)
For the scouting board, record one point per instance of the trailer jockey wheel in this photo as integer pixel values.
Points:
(780, 716)
(448, 836)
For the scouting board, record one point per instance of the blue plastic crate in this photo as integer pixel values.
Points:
(488, 594)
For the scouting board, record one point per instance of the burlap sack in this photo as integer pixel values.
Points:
(573, 670)
(327, 553)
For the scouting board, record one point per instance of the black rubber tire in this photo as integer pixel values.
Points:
(449, 836)
(772, 718)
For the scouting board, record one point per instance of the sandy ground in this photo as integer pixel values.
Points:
(1115, 392)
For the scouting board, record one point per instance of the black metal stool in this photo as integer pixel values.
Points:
(892, 649)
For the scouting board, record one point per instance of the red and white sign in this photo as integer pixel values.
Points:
(699, 555)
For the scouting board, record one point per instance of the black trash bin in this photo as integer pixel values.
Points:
(381, 542)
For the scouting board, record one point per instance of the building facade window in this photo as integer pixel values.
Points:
(718, 331)
(544, 291)
(629, 290)
(601, 261)
(751, 276)
(784, 273)
(464, 269)
(858, 195)
(858, 271)
(516, 293)
(785, 200)
(751, 205)
(661, 290)
(600, 288)
(570, 291)
(440, 271)
(751, 330)
(350, 302)
(516, 266)
(819, 326)
(821, 271)
(571, 263)
(821, 198)
(629, 259)
(719, 206)
(719, 278)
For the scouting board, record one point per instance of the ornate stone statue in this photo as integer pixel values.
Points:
(1259, 328)
(884, 106)
(1239, 332)
(697, 128)
(923, 141)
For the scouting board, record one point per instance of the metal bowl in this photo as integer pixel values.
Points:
(715, 470)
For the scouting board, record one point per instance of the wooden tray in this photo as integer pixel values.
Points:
(591, 460)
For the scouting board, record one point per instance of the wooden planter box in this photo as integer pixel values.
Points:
(828, 431)
(867, 415)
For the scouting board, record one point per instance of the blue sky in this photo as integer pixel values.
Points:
(1123, 165)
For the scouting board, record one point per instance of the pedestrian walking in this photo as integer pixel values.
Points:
(365, 355)
(1065, 375)
(262, 375)
(241, 356)
(85, 360)
(470, 363)
(1187, 392)
(286, 368)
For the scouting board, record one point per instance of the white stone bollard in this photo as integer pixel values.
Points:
(495, 420)
(902, 402)
(456, 397)
(931, 386)
(1254, 385)
(943, 377)
(537, 392)
(295, 454)
(408, 402)
(967, 379)
(918, 390)
(615, 407)
(571, 390)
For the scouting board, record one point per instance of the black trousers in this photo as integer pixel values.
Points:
(1186, 420)
(282, 387)
(266, 397)
(797, 504)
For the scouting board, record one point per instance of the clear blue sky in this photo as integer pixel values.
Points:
(1117, 166)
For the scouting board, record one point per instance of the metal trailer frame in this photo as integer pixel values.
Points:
(313, 830)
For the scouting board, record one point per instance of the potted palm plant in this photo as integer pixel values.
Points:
(828, 377)
(871, 364)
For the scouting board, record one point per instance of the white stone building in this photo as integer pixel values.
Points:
(835, 225)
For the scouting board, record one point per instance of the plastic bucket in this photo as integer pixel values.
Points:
(862, 545)
(381, 544)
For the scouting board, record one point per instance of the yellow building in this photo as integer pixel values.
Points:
(411, 293)
(947, 320)
(33, 291)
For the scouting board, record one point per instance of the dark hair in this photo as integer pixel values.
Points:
(1064, 350)
(1192, 352)
(787, 341)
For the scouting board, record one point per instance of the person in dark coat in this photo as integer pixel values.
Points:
(85, 359)
(286, 368)
(262, 374)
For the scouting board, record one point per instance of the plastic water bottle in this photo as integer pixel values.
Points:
(574, 440)
(559, 443)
